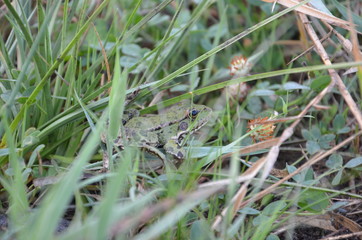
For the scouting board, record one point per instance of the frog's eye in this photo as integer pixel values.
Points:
(193, 113)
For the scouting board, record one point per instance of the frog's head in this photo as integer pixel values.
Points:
(196, 117)
(199, 116)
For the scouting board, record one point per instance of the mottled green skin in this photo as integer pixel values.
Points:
(165, 130)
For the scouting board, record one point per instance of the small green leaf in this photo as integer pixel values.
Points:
(294, 86)
(22, 100)
(4, 152)
(339, 122)
(262, 92)
(267, 199)
(132, 50)
(325, 140)
(291, 168)
(128, 62)
(199, 230)
(320, 83)
(316, 132)
(285, 106)
(335, 161)
(354, 162)
(337, 205)
(281, 92)
(254, 105)
(337, 179)
(309, 175)
(307, 135)
(305, 177)
(309, 198)
(214, 28)
(312, 147)
(274, 207)
(260, 220)
(344, 130)
(272, 237)
(158, 19)
(249, 211)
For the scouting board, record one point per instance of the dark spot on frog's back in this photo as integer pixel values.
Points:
(132, 114)
(128, 132)
(183, 126)
(180, 155)
(117, 140)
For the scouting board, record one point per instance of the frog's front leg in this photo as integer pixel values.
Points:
(158, 153)
(154, 151)
(173, 148)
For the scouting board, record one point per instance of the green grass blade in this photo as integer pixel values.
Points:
(51, 70)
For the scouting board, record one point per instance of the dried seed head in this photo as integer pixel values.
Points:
(239, 65)
(260, 129)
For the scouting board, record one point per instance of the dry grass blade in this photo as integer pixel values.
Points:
(254, 147)
(334, 75)
(314, 13)
(347, 45)
(309, 49)
(344, 236)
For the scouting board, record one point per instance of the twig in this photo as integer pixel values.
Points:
(310, 48)
(334, 75)
(344, 236)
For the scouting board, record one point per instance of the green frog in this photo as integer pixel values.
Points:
(167, 130)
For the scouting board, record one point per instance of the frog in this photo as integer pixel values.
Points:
(167, 129)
